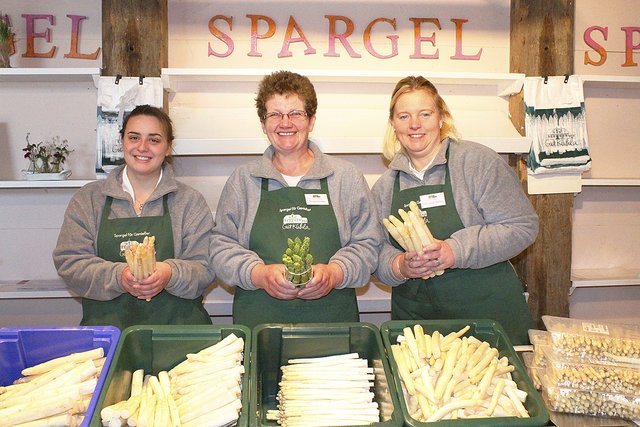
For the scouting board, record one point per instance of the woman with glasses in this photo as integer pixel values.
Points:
(473, 204)
(140, 198)
(294, 191)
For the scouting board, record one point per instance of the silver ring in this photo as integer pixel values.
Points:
(437, 261)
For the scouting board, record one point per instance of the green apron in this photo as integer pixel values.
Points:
(126, 310)
(493, 292)
(284, 214)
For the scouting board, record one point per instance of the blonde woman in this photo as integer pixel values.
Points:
(474, 206)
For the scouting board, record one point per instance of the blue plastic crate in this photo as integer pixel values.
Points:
(22, 347)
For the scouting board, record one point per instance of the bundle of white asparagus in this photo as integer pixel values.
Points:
(412, 233)
(203, 391)
(53, 393)
(326, 391)
(141, 257)
(449, 377)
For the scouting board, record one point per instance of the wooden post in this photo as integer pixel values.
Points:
(134, 37)
(542, 45)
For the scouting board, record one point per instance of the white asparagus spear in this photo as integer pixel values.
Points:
(218, 417)
(497, 391)
(413, 206)
(53, 363)
(327, 359)
(450, 407)
(59, 420)
(395, 233)
(45, 408)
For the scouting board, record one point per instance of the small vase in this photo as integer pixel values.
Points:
(34, 167)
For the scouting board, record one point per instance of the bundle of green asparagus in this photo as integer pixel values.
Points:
(298, 261)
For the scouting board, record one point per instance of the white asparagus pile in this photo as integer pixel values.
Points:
(326, 391)
(454, 376)
(53, 393)
(412, 233)
(203, 391)
(141, 257)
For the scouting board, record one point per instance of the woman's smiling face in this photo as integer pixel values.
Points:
(417, 123)
(285, 133)
(145, 145)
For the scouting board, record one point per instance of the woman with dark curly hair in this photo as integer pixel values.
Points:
(294, 190)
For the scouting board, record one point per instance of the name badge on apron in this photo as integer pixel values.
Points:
(316, 199)
(432, 200)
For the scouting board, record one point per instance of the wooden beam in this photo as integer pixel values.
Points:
(134, 37)
(542, 44)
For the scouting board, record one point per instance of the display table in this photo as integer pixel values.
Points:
(50, 302)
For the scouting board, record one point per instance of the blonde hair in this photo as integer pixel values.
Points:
(391, 146)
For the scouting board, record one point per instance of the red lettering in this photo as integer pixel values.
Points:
(629, 46)
(75, 37)
(393, 38)
(333, 35)
(288, 39)
(271, 30)
(459, 54)
(31, 35)
(418, 38)
(595, 45)
(224, 38)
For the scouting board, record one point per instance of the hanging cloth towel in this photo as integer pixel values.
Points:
(555, 122)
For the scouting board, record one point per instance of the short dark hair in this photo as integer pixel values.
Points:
(286, 82)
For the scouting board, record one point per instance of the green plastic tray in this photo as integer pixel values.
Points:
(158, 348)
(485, 330)
(275, 344)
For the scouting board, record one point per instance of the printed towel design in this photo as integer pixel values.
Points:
(555, 121)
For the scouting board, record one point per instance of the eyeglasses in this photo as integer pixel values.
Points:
(293, 115)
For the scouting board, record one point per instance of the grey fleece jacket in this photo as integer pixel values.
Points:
(352, 201)
(499, 221)
(93, 277)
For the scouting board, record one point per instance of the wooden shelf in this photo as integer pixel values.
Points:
(610, 182)
(48, 75)
(621, 82)
(344, 145)
(505, 83)
(68, 183)
(604, 277)
(485, 122)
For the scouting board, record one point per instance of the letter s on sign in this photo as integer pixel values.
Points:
(595, 45)
(221, 36)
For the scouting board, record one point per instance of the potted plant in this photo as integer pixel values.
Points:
(46, 159)
(6, 41)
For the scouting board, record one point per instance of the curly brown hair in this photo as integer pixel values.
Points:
(286, 82)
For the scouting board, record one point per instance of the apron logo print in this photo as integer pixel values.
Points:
(295, 222)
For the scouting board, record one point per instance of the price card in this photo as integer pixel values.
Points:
(595, 328)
